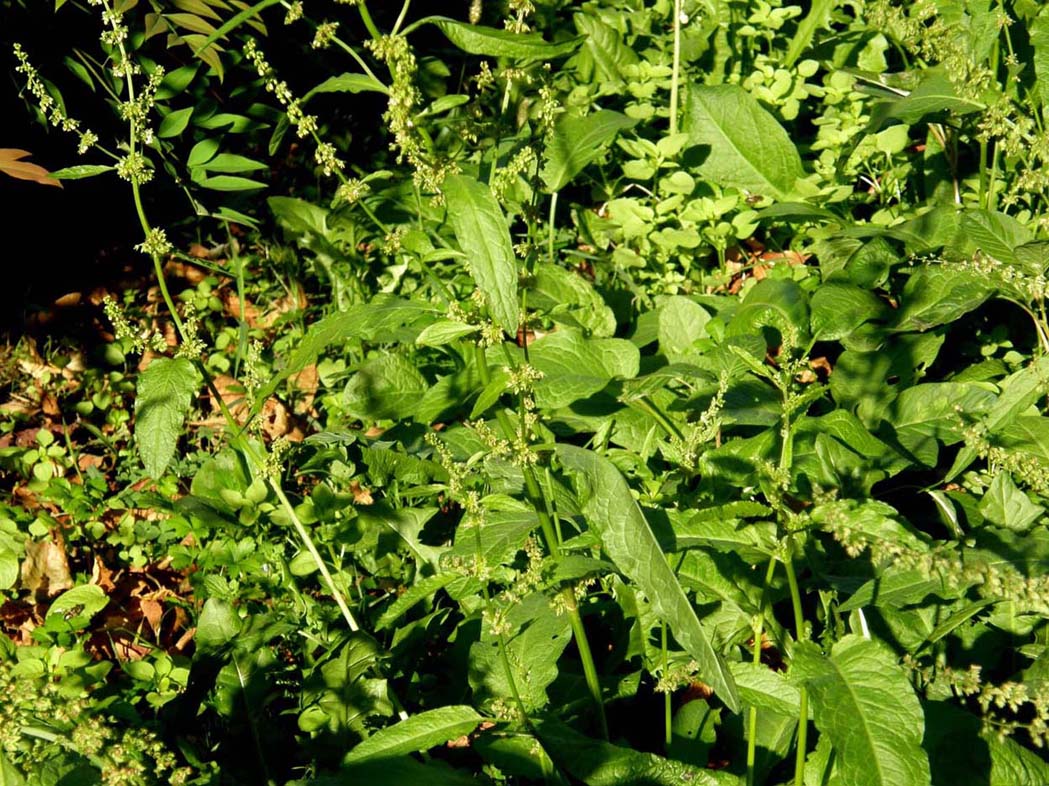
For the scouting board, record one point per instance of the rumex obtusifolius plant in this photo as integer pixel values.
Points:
(675, 366)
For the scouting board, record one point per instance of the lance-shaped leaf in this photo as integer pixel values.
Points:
(629, 541)
(165, 392)
(599, 763)
(482, 232)
(493, 42)
(578, 141)
(418, 733)
(865, 704)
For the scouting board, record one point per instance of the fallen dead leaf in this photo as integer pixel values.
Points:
(361, 496)
(45, 569)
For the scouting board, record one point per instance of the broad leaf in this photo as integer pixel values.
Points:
(963, 752)
(347, 83)
(628, 540)
(570, 299)
(863, 701)
(939, 294)
(598, 763)
(681, 324)
(9, 776)
(839, 308)
(493, 42)
(748, 149)
(164, 395)
(482, 232)
(417, 733)
(574, 367)
(81, 171)
(578, 141)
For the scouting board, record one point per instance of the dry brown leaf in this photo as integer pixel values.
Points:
(45, 569)
(275, 422)
(11, 163)
(306, 381)
(361, 496)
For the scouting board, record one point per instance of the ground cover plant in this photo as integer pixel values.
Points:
(643, 392)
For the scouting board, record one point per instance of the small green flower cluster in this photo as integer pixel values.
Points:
(51, 108)
(397, 54)
(140, 339)
(40, 721)
(1013, 696)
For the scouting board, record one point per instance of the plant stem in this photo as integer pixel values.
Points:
(539, 502)
(799, 635)
(550, 229)
(668, 719)
(675, 76)
(752, 720)
(366, 17)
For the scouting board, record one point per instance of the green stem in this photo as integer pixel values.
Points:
(539, 502)
(752, 720)
(366, 17)
(645, 404)
(668, 719)
(675, 76)
(401, 17)
(799, 635)
(550, 229)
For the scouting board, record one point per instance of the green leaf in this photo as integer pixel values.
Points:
(570, 299)
(748, 148)
(628, 540)
(230, 183)
(1039, 34)
(230, 162)
(839, 308)
(79, 604)
(574, 367)
(414, 594)
(599, 763)
(493, 42)
(8, 568)
(893, 589)
(1019, 391)
(417, 733)
(9, 776)
(604, 48)
(164, 395)
(174, 123)
(928, 414)
(995, 234)
(578, 141)
(681, 324)
(965, 752)
(443, 332)
(396, 771)
(482, 232)
(202, 152)
(865, 704)
(761, 687)
(773, 302)
(532, 654)
(229, 26)
(387, 386)
(347, 83)
(217, 625)
(939, 294)
(1007, 506)
(80, 171)
(935, 93)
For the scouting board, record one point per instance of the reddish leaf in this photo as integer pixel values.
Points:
(11, 163)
